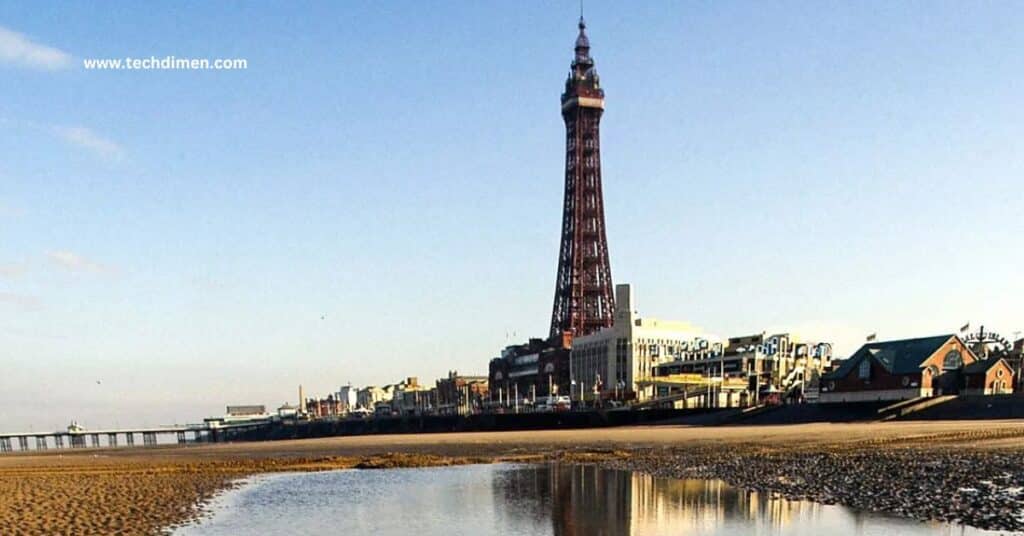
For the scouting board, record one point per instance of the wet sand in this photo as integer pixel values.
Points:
(145, 490)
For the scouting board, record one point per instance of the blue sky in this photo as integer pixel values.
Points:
(378, 194)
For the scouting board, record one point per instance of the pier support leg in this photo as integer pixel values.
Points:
(181, 438)
(78, 441)
(95, 440)
(58, 441)
(148, 438)
(5, 444)
(129, 439)
(111, 440)
(41, 442)
(23, 443)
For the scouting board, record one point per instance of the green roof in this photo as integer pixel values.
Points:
(897, 357)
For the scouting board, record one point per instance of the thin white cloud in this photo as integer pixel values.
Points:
(74, 262)
(88, 139)
(18, 49)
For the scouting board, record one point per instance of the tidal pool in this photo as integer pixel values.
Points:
(530, 500)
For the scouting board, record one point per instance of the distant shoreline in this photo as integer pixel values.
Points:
(99, 491)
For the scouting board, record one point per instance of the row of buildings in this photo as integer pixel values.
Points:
(644, 362)
(641, 361)
(455, 394)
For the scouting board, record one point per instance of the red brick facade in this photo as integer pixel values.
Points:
(911, 368)
(930, 378)
(998, 379)
(938, 380)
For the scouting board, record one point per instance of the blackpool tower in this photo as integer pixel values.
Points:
(584, 302)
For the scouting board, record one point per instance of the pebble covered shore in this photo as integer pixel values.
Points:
(983, 489)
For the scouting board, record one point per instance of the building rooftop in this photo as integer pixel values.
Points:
(897, 357)
(982, 365)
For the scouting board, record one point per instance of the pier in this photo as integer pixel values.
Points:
(77, 437)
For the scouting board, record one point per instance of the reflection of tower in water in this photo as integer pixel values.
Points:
(598, 502)
(574, 499)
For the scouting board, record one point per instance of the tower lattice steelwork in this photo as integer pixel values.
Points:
(584, 302)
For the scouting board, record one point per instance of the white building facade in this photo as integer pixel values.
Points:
(369, 396)
(613, 362)
(348, 397)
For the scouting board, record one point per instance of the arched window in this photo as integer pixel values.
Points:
(953, 360)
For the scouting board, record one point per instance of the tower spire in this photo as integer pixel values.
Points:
(582, 64)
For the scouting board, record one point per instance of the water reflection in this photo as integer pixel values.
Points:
(593, 501)
(529, 500)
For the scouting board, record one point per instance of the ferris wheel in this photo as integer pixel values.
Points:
(988, 343)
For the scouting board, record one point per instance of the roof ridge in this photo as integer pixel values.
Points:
(912, 339)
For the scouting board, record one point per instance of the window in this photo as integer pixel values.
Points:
(864, 372)
(953, 360)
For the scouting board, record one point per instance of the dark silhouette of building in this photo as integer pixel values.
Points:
(584, 302)
(526, 371)
(460, 395)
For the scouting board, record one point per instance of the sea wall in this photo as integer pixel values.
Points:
(954, 408)
(482, 423)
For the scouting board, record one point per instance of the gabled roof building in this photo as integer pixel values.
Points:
(992, 376)
(909, 368)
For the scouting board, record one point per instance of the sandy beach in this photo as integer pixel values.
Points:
(146, 490)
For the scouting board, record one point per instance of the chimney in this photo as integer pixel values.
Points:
(624, 302)
(302, 401)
